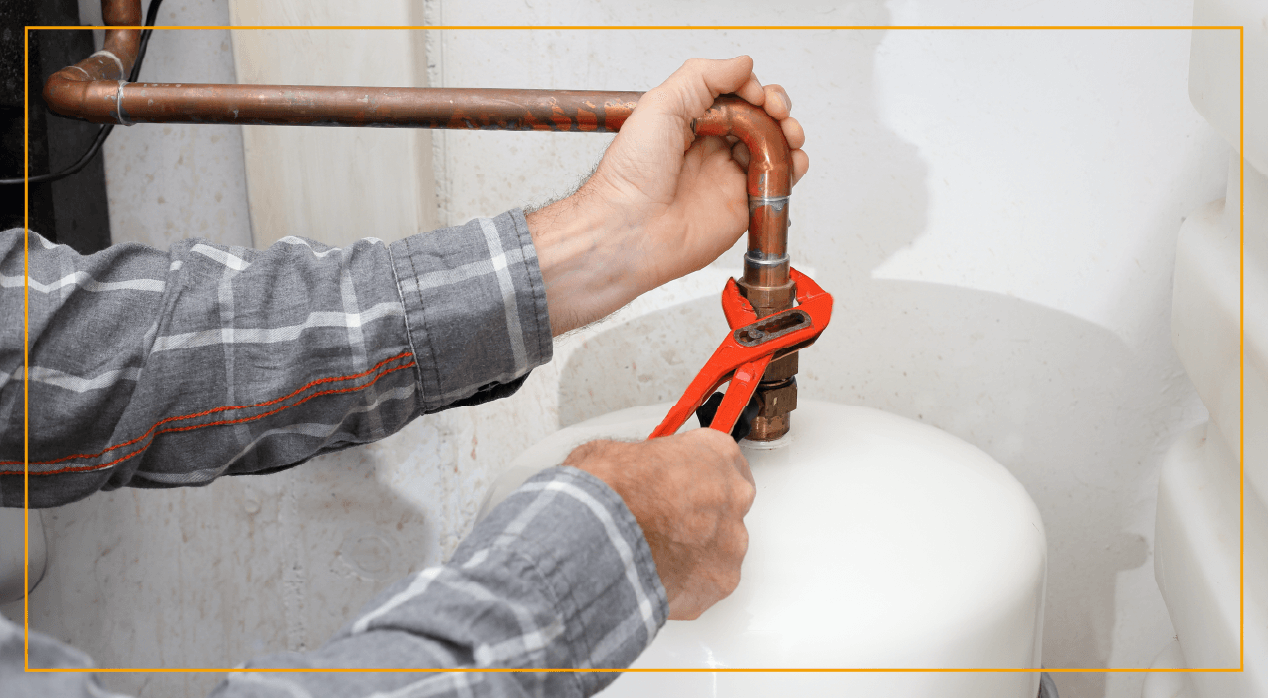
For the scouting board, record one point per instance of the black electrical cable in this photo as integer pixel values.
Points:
(105, 129)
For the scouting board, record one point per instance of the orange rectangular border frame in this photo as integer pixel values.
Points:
(1242, 358)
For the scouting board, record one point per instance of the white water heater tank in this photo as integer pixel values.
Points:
(875, 542)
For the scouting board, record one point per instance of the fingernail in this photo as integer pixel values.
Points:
(787, 102)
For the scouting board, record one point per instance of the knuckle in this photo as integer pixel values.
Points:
(741, 541)
(698, 529)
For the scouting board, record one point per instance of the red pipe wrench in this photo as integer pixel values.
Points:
(743, 356)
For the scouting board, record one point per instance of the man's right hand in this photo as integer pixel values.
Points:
(689, 493)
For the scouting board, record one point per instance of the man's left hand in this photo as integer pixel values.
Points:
(662, 203)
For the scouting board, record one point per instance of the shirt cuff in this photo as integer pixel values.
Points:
(589, 552)
(475, 308)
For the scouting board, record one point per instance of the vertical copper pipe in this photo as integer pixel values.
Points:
(122, 43)
(66, 91)
(766, 283)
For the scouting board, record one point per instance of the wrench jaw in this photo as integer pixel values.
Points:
(758, 357)
(768, 300)
(777, 391)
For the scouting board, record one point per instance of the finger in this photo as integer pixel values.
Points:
(693, 88)
(743, 494)
(704, 79)
(742, 466)
(801, 164)
(741, 155)
(746, 503)
(793, 132)
(752, 92)
(685, 609)
(728, 579)
(777, 103)
(714, 144)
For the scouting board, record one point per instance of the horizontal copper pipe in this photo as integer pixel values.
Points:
(304, 105)
(110, 100)
(96, 90)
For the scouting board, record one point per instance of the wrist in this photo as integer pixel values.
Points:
(588, 260)
(617, 465)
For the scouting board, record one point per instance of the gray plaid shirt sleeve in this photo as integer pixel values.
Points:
(558, 576)
(154, 369)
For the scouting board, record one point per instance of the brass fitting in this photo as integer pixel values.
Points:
(767, 300)
(769, 290)
(775, 401)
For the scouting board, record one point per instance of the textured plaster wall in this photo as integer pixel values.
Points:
(182, 577)
(994, 212)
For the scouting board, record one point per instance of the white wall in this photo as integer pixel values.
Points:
(994, 212)
(335, 185)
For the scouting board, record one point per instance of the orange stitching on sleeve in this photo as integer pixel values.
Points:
(149, 432)
(87, 468)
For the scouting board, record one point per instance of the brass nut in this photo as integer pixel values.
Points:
(777, 400)
(781, 369)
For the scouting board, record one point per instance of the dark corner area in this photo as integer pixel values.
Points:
(72, 210)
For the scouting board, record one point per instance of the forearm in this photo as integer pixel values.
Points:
(160, 369)
(557, 576)
(588, 258)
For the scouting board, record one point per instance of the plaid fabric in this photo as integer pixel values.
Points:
(155, 369)
(558, 576)
(152, 369)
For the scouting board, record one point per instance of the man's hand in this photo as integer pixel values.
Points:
(662, 203)
(689, 493)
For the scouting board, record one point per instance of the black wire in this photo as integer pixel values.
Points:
(105, 129)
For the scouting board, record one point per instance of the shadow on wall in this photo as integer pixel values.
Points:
(1045, 393)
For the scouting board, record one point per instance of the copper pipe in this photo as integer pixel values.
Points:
(303, 105)
(766, 283)
(109, 100)
(95, 90)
